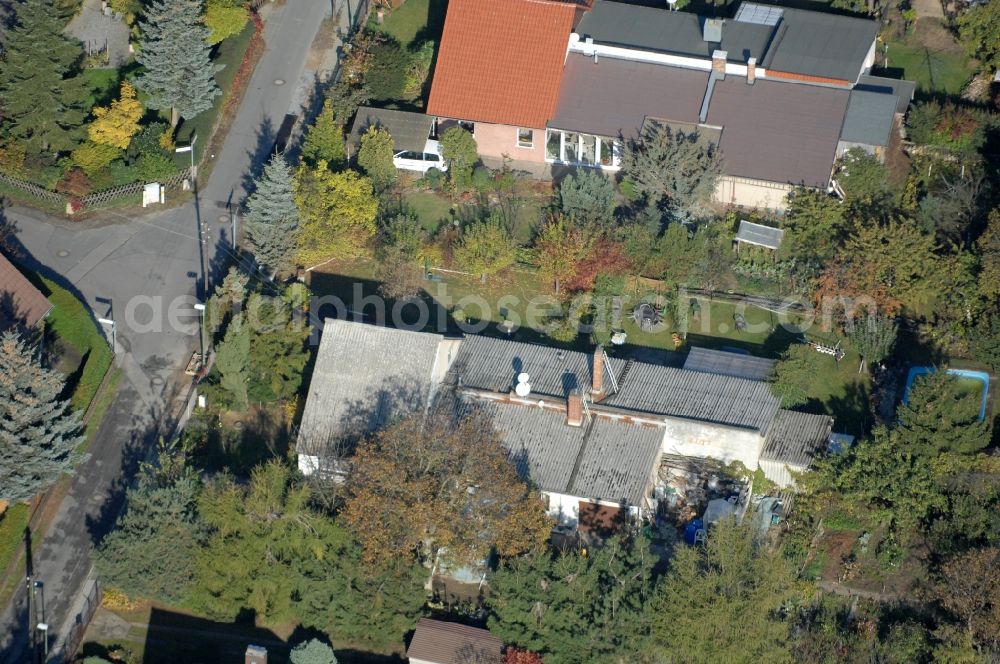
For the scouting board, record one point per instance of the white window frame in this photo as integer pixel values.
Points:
(517, 138)
(599, 140)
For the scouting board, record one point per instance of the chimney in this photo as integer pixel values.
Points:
(597, 382)
(255, 655)
(751, 71)
(719, 64)
(574, 409)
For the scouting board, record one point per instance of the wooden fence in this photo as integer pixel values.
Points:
(94, 200)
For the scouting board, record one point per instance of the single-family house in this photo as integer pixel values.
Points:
(564, 84)
(439, 642)
(588, 431)
(21, 304)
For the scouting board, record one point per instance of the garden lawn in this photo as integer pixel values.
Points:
(430, 209)
(229, 54)
(12, 525)
(934, 71)
(103, 85)
(413, 22)
(85, 355)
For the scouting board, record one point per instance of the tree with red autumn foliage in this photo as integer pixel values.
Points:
(518, 656)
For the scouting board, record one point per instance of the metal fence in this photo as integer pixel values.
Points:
(74, 638)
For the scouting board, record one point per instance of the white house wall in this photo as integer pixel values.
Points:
(745, 192)
(698, 439)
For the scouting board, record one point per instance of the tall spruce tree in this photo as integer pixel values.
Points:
(43, 102)
(272, 220)
(150, 553)
(38, 431)
(938, 417)
(173, 48)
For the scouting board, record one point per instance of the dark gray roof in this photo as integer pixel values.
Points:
(364, 375)
(409, 130)
(672, 392)
(759, 234)
(604, 459)
(821, 44)
(664, 31)
(902, 89)
(724, 363)
(614, 96)
(778, 132)
(487, 363)
(796, 438)
(869, 118)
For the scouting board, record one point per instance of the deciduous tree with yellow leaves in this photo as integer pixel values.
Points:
(337, 213)
(115, 125)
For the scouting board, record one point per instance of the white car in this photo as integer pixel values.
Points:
(420, 161)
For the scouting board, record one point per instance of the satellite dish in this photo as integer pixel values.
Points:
(523, 377)
(523, 389)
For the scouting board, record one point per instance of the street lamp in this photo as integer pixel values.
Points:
(44, 629)
(189, 148)
(114, 333)
(200, 308)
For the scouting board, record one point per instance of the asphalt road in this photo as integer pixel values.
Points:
(141, 271)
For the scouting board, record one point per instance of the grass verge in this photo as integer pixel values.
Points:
(83, 344)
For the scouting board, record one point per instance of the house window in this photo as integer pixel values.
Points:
(581, 149)
(525, 138)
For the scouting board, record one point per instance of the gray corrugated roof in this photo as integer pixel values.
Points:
(602, 460)
(869, 118)
(724, 363)
(778, 132)
(614, 96)
(617, 461)
(451, 643)
(902, 89)
(821, 44)
(759, 234)
(409, 130)
(692, 395)
(488, 363)
(664, 31)
(796, 438)
(364, 375)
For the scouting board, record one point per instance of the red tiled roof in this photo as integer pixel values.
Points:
(451, 643)
(501, 61)
(20, 302)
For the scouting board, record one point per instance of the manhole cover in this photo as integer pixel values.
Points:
(62, 253)
(223, 218)
(156, 380)
(279, 81)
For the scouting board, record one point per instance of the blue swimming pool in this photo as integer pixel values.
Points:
(981, 376)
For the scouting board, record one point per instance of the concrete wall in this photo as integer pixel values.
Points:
(496, 140)
(565, 509)
(780, 473)
(700, 439)
(732, 190)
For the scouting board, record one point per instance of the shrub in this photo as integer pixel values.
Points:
(225, 19)
(93, 157)
(482, 179)
(588, 196)
(433, 179)
(154, 166)
(460, 152)
(75, 183)
(419, 69)
(375, 157)
(149, 140)
(12, 156)
(955, 128)
(386, 76)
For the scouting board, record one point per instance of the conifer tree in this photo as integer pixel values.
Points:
(43, 102)
(937, 417)
(179, 73)
(272, 220)
(38, 432)
(325, 140)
